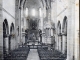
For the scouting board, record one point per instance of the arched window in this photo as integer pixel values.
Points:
(26, 12)
(40, 12)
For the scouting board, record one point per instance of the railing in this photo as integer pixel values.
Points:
(36, 46)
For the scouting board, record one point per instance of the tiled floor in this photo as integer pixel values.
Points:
(33, 55)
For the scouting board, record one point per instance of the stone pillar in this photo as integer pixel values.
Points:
(63, 43)
(60, 43)
(20, 24)
(71, 29)
(7, 44)
(77, 32)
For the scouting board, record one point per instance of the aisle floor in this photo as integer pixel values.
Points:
(33, 55)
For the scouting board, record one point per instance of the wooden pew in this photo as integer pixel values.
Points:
(18, 54)
(46, 54)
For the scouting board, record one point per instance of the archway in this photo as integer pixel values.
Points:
(64, 35)
(11, 37)
(5, 38)
(59, 37)
(12, 28)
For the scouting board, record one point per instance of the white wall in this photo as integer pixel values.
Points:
(9, 11)
(77, 30)
(70, 9)
(9, 14)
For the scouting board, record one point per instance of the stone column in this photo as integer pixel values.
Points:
(16, 22)
(60, 43)
(71, 29)
(7, 44)
(64, 39)
(20, 24)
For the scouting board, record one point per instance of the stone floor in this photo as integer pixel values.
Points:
(33, 55)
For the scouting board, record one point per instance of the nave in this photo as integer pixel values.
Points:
(39, 29)
(41, 52)
(33, 55)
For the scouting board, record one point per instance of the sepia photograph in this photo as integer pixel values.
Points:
(39, 30)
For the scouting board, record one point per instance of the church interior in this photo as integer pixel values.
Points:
(39, 30)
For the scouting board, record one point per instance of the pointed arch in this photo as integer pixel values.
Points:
(64, 31)
(59, 27)
(5, 35)
(12, 27)
(64, 26)
(5, 28)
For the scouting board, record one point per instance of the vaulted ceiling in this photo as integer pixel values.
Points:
(38, 3)
(30, 4)
(34, 3)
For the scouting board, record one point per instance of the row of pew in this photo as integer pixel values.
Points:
(46, 54)
(18, 54)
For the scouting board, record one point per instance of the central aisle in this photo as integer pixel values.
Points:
(33, 55)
